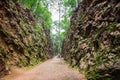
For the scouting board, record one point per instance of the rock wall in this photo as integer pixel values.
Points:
(24, 40)
(93, 42)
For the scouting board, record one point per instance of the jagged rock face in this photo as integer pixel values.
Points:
(24, 40)
(93, 41)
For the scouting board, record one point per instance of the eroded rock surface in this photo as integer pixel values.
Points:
(24, 40)
(93, 41)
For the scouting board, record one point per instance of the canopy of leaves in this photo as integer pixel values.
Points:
(67, 8)
(40, 9)
(71, 5)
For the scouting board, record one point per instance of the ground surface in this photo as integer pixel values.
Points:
(54, 69)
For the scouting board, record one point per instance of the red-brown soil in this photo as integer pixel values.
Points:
(54, 69)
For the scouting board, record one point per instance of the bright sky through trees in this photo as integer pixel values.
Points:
(56, 16)
(54, 9)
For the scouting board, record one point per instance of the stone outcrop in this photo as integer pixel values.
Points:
(93, 42)
(24, 40)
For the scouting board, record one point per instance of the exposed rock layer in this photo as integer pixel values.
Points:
(93, 41)
(24, 40)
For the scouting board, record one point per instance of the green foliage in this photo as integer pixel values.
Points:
(94, 76)
(71, 5)
(64, 26)
(31, 4)
(3, 54)
(38, 28)
(55, 42)
(65, 23)
(66, 7)
(97, 76)
(76, 67)
(40, 9)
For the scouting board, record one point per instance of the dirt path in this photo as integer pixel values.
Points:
(54, 69)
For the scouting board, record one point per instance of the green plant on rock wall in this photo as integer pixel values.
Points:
(93, 76)
(23, 24)
(38, 28)
(76, 67)
(11, 4)
(112, 27)
(3, 54)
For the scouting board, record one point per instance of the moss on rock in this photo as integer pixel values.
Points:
(24, 40)
(92, 42)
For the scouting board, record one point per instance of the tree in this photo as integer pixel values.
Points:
(39, 8)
